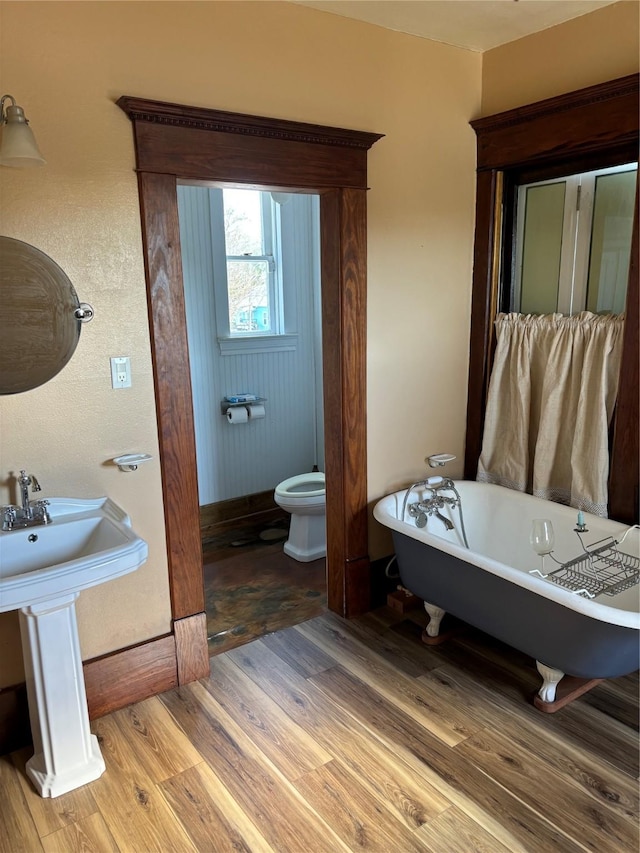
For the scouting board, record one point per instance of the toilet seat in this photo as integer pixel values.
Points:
(302, 486)
(304, 497)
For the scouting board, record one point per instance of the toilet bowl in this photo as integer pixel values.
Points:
(304, 497)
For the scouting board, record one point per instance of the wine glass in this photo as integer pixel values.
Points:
(542, 537)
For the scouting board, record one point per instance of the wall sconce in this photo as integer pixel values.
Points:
(18, 147)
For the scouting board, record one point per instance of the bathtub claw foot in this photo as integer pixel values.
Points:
(550, 679)
(431, 634)
(435, 618)
(553, 696)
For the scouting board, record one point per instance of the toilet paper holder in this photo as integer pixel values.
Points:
(225, 404)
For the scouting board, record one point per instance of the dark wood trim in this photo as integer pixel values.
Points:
(482, 314)
(112, 681)
(208, 145)
(179, 115)
(15, 729)
(175, 142)
(163, 265)
(210, 532)
(558, 133)
(601, 117)
(259, 504)
(344, 363)
(192, 652)
(130, 675)
(333, 398)
(624, 475)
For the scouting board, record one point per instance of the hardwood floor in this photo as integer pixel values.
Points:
(350, 736)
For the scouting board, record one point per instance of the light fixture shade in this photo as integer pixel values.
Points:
(281, 198)
(18, 147)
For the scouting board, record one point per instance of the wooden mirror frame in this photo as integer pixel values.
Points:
(565, 134)
(176, 142)
(39, 323)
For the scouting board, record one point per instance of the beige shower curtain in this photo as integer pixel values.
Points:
(551, 396)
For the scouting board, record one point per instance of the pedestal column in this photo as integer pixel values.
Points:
(66, 755)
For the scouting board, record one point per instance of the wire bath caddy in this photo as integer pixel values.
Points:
(601, 570)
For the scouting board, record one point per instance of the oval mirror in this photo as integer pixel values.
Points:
(40, 317)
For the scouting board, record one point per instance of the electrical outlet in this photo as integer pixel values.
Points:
(121, 372)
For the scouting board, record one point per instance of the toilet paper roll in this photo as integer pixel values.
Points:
(237, 415)
(255, 411)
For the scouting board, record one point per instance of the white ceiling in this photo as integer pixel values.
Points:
(474, 24)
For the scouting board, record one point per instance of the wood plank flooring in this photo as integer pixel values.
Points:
(339, 735)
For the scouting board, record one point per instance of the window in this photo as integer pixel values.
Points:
(253, 274)
(573, 242)
(247, 272)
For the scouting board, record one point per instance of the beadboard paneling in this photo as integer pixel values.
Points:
(247, 458)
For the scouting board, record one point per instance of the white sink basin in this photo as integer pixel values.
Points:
(42, 571)
(87, 542)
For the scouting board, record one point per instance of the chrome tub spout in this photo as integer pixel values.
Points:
(447, 522)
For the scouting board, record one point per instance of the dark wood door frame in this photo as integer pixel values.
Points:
(175, 142)
(592, 127)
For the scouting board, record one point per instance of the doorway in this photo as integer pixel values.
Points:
(577, 132)
(173, 142)
(251, 272)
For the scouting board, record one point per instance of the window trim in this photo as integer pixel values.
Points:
(260, 342)
(284, 338)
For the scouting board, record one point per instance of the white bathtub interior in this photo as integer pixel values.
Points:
(498, 521)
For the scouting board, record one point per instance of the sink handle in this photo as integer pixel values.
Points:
(40, 510)
(9, 516)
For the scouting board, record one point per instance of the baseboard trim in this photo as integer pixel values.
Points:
(381, 585)
(112, 681)
(130, 675)
(15, 731)
(192, 650)
(260, 504)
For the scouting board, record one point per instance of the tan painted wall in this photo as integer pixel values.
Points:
(587, 50)
(66, 64)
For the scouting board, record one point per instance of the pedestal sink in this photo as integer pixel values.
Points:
(42, 571)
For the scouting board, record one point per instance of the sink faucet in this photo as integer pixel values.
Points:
(30, 513)
(24, 482)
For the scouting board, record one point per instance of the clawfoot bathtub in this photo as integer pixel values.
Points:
(560, 619)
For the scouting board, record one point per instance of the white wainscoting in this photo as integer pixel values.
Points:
(247, 458)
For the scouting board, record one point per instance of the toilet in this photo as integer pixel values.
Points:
(304, 497)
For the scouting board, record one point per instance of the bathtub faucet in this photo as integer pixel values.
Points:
(433, 504)
(446, 521)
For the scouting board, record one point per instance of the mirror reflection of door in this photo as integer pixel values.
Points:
(573, 242)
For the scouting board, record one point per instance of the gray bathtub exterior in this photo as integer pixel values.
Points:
(578, 645)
